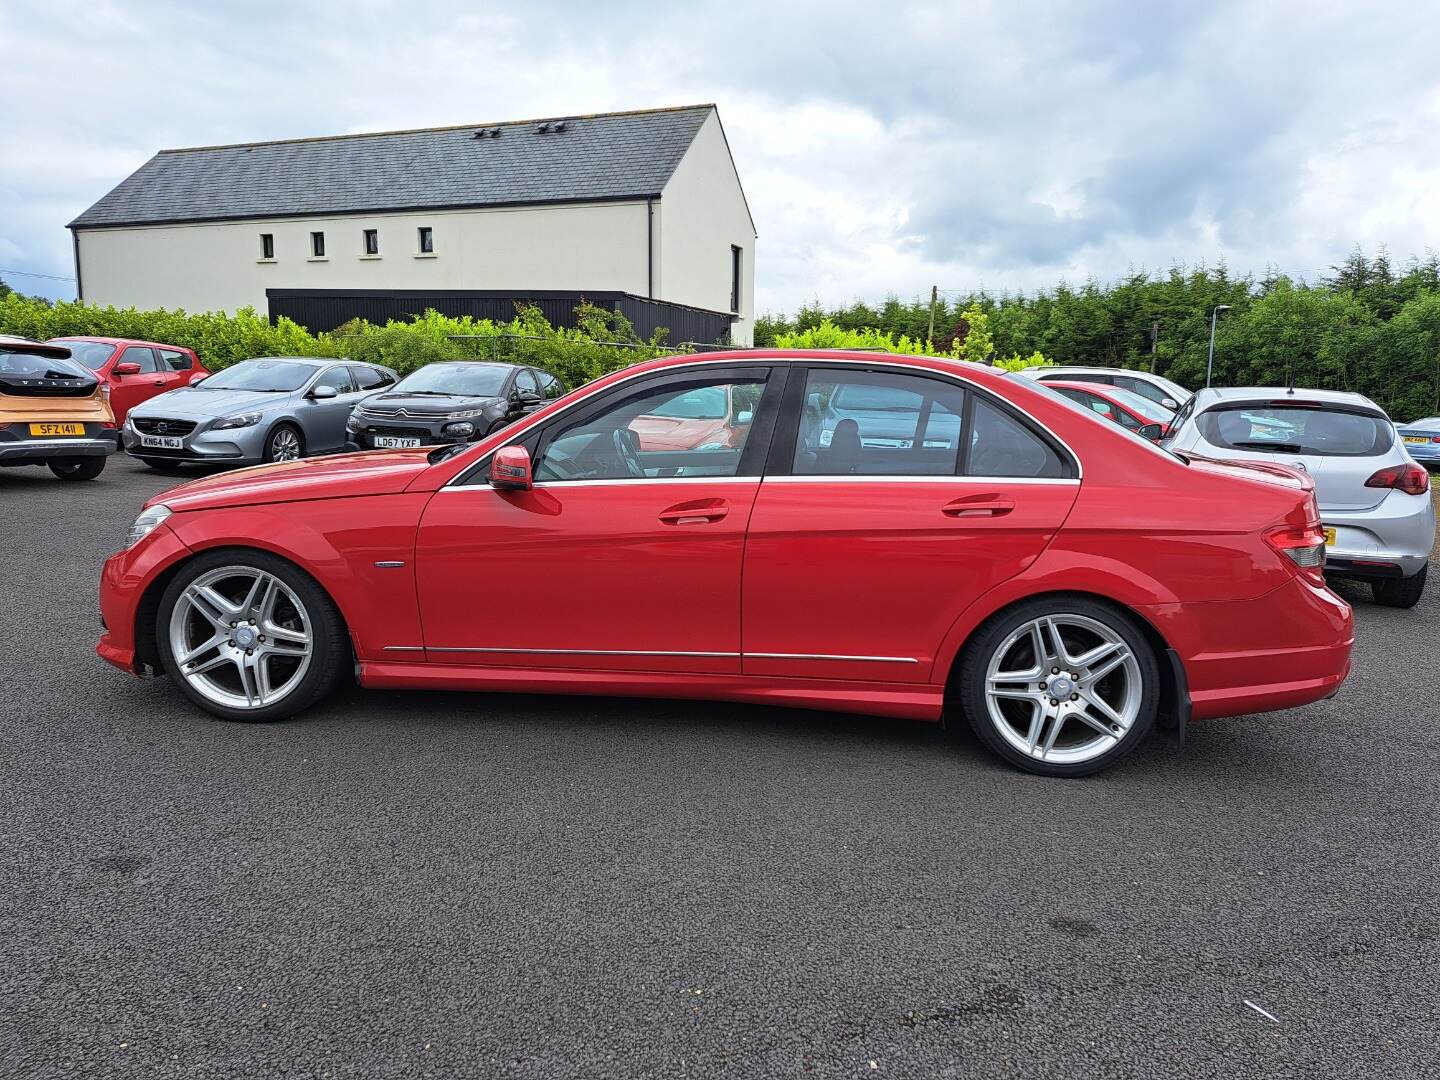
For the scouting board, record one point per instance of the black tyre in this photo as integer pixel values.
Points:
(161, 465)
(1060, 685)
(85, 468)
(284, 443)
(1400, 592)
(250, 637)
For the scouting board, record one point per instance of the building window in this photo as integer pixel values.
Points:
(267, 245)
(372, 241)
(317, 245)
(735, 257)
(427, 240)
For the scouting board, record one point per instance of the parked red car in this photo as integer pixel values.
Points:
(134, 371)
(1014, 559)
(1148, 419)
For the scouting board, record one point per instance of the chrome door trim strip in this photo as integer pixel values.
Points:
(404, 648)
(762, 358)
(824, 656)
(940, 478)
(583, 652)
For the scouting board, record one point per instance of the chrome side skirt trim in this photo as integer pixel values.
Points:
(822, 656)
(658, 652)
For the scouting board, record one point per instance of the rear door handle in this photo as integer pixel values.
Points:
(978, 506)
(699, 512)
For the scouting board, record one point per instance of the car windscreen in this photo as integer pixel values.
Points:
(701, 403)
(1296, 429)
(262, 376)
(27, 365)
(92, 354)
(1141, 405)
(463, 380)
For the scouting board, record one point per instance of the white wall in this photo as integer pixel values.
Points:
(216, 266)
(700, 215)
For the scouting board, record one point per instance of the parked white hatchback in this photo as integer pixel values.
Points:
(1155, 387)
(1374, 499)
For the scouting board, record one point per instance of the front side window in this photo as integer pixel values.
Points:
(339, 378)
(865, 423)
(317, 245)
(137, 354)
(1263, 428)
(651, 435)
(1091, 402)
(525, 382)
(372, 241)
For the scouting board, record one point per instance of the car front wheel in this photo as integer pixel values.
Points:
(249, 636)
(1060, 686)
(285, 443)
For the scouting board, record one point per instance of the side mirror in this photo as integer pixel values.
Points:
(510, 469)
(1170, 403)
(127, 368)
(320, 393)
(528, 397)
(1153, 432)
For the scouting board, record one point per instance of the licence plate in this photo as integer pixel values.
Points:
(163, 442)
(1417, 440)
(1329, 537)
(390, 442)
(57, 429)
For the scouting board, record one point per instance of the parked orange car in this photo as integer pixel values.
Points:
(53, 411)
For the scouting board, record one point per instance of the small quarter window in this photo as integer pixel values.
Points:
(426, 240)
(1000, 445)
(267, 245)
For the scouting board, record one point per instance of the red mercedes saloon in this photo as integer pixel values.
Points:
(902, 536)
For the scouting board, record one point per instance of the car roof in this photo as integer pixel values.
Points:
(12, 343)
(313, 361)
(1211, 396)
(500, 365)
(118, 341)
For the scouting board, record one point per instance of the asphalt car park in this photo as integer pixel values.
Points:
(415, 884)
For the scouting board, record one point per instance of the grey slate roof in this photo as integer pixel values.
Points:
(609, 156)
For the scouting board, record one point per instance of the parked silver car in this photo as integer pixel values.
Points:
(272, 409)
(1155, 387)
(1374, 499)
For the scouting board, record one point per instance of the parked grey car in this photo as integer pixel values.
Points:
(275, 408)
(450, 402)
(1155, 387)
(1374, 499)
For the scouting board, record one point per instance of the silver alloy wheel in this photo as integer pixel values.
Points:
(1063, 688)
(241, 637)
(284, 445)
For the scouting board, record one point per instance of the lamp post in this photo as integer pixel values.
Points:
(1210, 363)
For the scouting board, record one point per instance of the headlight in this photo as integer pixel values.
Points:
(352, 424)
(146, 522)
(249, 419)
(465, 414)
(460, 431)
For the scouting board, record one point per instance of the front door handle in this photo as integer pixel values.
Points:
(698, 512)
(978, 506)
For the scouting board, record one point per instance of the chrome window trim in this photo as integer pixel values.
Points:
(936, 478)
(733, 361)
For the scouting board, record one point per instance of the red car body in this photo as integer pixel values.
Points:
(854, 593)
(1118, 407)
(135, 371)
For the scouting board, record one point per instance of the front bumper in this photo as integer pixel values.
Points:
(230, 446)
(1391, 540)
(364, 437)
(22, 449)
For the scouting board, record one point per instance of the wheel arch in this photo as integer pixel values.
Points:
(1174, 693)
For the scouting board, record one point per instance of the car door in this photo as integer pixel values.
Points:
(618, 559)
(127, 391)
(892, 500)
(324, 417)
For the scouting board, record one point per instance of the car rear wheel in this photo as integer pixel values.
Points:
(87, 468)
(285, 443)
(1400, 592)
(1060, 686)
(250, 637)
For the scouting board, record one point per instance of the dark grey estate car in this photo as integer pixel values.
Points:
(450, 402)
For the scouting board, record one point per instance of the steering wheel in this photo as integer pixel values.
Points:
(627, 449)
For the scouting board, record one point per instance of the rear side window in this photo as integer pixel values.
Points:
(1292, 429)
(1001, 445)
(867, 423)
(176, 360)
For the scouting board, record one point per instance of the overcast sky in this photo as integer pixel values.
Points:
(883, 147)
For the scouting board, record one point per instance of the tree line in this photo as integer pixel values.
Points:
(1367, 326)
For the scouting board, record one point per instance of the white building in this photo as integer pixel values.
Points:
(641, 210)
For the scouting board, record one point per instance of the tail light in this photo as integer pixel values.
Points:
(1409, 478)
(1303, 545)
